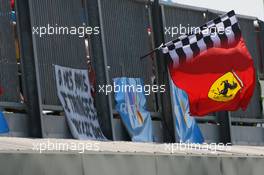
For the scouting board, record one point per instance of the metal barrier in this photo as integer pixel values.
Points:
(66, 50)
(175, 16)
(61, 49)
(70, 51)
(8, 62)
(249, 34)
(178, 20)
(125, 35)
(260, 43)
(247, 131)
(10, 69)
(240, 127)
(124, 25)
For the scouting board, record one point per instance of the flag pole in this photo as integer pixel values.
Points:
(151, 52)
(162, 76)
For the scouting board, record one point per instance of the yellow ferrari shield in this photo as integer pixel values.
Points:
(225, 88)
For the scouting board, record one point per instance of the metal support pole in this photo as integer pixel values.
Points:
(163, 79)
(223, 118)
(28, 68)
(103, 102)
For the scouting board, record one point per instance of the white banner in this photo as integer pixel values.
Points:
(73, 89)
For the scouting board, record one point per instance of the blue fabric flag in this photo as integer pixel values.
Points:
(3, 124)
(186, 126)
(130, 99)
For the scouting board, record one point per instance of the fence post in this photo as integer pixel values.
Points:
(166, 110)
(103, 102)
(28, 67)
(225, 124)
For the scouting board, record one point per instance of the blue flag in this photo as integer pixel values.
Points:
(3, 124)
(130, 99)
(186, 126)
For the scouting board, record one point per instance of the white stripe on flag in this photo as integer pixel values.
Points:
(216, 40)
(175, 57)
(230, 35)
(188, 52)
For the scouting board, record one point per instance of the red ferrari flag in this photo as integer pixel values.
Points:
(213, 66)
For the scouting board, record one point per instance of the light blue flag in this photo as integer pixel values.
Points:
(130, 99)
(186, 126)
(3, 124)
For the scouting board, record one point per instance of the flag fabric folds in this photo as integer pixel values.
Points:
(3, 124)
(186, 127)
(131, 107)
(213, 66)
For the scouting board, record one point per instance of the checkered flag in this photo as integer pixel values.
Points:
(222, 32)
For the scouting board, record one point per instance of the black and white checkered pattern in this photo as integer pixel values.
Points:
(220, 32)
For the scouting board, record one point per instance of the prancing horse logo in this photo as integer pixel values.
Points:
(225, 88)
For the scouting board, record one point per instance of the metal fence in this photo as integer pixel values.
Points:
(123, 43)
(178, 20)
(177, 17)
(10, 75)
(125, 31)
(8, 64)
(60, 49)
(125, 25)
(249, 34)
(260, 41)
